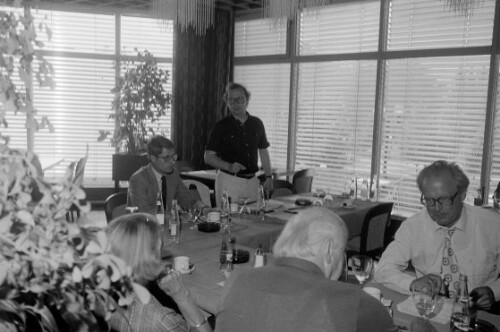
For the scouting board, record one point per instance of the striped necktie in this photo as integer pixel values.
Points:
(449, 264)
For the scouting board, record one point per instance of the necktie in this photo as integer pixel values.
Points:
(164, 191)
(449, 264)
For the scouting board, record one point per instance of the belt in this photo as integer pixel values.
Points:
(243, 176)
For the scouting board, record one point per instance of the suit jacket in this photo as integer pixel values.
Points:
(294, 295)
(143, 191)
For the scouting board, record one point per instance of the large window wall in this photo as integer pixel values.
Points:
(87, 51)
(379, 89)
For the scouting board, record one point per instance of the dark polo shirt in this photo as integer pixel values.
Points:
(236, 142)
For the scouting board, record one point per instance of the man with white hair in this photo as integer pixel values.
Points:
(300, 291)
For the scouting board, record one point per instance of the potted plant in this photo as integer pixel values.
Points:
(139, 103)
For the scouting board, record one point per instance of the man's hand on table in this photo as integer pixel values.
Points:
(423, 282)
(483, 297)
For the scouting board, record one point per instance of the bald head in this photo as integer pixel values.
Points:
(315, 234)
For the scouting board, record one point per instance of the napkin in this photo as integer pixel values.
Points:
(441, 313)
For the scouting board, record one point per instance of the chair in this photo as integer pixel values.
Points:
(115, 205)
(371, 242)
(202, 189)
(302, 181)
(281, 188)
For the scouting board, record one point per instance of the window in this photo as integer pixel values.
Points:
(432, 86)
(83, 52)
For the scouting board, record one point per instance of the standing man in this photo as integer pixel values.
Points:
(300, 291)
(446, 239)
(145, 186)
(234, 146)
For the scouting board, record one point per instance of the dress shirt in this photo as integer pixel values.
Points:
(420, 239)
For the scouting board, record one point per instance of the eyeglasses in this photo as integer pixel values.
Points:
(168, 158)
(443, 201)
(239, 100)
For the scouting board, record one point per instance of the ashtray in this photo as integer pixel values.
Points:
(241, 256)
(302, 202)
(208, 227)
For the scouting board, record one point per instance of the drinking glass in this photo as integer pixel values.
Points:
(245, 209)
(362, 267)
(424, 299)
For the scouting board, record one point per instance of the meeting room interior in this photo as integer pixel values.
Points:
(356, 98)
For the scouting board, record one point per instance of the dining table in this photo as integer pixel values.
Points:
(206, 281)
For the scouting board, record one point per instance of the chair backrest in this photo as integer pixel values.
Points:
(302, 181)
(202, 189)
(281, 188)
(374, 226)
(115, 205)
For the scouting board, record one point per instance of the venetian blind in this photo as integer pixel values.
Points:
(434, 107)
(335, 121)
(269, 84)
(335, 101)
(82, 52)
(349, 27)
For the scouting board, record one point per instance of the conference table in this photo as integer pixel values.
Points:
(206, 281)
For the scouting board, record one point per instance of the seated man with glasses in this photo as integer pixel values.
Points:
(235, 144)
(446, 240)
(159, 181)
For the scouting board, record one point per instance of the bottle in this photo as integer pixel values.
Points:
(463, 316)
(364, 190)
(175, 225)
(160, 211)
(224, 208)
(260, 257)
(328, 200)
(478, 199)
(226, 253)
(261, 202)
(353, 194)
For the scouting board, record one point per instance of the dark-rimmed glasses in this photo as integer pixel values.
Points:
(239, 100)
(168, 158)
(443, 201)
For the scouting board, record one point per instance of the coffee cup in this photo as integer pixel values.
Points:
(213, 216)
(347, 203)
(234, 207)
(181, 263)
(375, 292)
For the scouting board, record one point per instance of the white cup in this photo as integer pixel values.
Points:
(181, 263)
(234, 207)
(213, 216)
(375, 292)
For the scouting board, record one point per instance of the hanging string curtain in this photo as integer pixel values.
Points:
(197, 14)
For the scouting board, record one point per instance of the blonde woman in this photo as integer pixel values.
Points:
(136, 238)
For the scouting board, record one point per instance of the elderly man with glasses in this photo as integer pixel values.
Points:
(235, 144)
(159, 181)
(445, 240)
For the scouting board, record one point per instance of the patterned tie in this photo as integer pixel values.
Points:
(449, 264)
(164, 192)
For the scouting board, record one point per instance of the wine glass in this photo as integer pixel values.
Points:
(362, 267)
(424, 298)
(244, 209)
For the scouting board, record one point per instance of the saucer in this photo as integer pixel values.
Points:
(349, 207)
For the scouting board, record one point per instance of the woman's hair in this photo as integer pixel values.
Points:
(136, 238)
(306, 232)
(442, 167)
